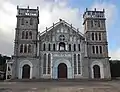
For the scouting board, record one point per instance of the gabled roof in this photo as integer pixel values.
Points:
(58, 23)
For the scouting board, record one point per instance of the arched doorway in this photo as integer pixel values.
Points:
(62, 70)
(26, 72)
(96, 71)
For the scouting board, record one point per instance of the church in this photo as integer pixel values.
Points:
(61, 51)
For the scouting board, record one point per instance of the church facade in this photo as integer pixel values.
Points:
(61, 51)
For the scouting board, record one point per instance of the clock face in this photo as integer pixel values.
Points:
(61, 37)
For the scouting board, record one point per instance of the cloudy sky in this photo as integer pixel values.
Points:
(51, 11)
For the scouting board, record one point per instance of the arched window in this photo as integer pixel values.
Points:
(44, 64)
(79, 64)
(75, 66)
(22, 21)
(97, 49)
(23, 34)
(78, 47)
(61, 46)
(21, 48)
(29, 48)
(69, 47)
(100, 49)
(93, 49)
(53, 47)
(92, 36)
(26, 35)
(49, 47)
(74, 47)
(25, 48)
(31, 21)
(30, 35)
(44, 46)
(99, 36)
(96, 36)
(49, 63)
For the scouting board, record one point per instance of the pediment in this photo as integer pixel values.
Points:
(61, 27)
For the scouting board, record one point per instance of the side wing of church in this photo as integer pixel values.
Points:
(61, 51)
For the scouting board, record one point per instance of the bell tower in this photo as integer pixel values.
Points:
(25, 45)
(26, 32)
(96, 40)
(95, 32)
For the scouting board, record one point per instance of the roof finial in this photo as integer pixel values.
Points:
(53, 24)
(28, 6)
(17, 7)
(103, 10)
(37, 7)
(71, 25)
(60, 19)
(46, 29)
(95, 9)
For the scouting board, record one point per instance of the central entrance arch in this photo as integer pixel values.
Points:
(26, 72)
(62, 70)
(96, 70)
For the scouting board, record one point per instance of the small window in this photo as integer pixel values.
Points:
(92, 36)
(74, 47)
(97, 49)
(100, 49)
(99, 36)
(49, 63)
(26, 35)
(75, 64)
(96, 37)
(29, 48)
(79, 64)
(25, 48)
(49, 47)
(44, 64)
(23, 34)
(44, 47)
(30, 35)
(93, 49)
(78, 47)
(69, 47)
(53, 47)
(21, 48)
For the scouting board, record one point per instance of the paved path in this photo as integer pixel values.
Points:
(107, 86)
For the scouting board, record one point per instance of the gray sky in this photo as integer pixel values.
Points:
(50, 11)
